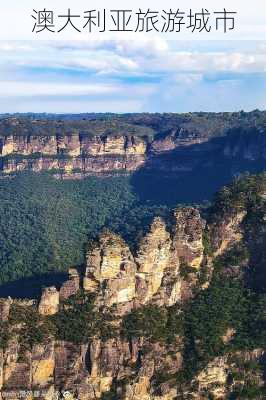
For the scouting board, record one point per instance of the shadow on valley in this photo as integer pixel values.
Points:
(28, 288)
(45, 223)
(193, 174)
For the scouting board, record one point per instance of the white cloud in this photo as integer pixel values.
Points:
(145, 47)
(147, 75)
(28, 89)
(141, 57)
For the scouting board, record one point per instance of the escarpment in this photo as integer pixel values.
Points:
(156, 142)
(120, 282)
(72, 153)
(134, 324)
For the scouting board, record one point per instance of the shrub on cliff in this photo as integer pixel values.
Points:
(78, 321)
(148, 321)
(28, 326)
(225, 304)
(5, 334)
(154, 323)
(244, 193)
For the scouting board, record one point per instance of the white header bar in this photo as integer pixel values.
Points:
(133, 20)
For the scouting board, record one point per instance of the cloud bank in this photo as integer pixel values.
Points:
(120, 76)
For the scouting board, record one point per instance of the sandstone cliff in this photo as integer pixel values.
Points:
(117, 278)
(72, 152)
(161, 274)
(172, 143)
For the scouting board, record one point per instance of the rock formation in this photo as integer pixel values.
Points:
(71, 286)
(72, 153)
(49, 302)
(188, 236)
(110, 270)
(170, 144)
(123, 281)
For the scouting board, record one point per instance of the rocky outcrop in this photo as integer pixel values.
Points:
(152, 273)
(112, 363)
(43, 365)
(122, 280)
(212, 379)
(71, 153)
(153, 258)
(225, 374)
(226, 232)
(174, 144)
(5, 305)
(178, 138)
(71, 286)
(110, 270)
(188, 237)
(49, 303)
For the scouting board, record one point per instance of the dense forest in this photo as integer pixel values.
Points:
(143, 124)
(45, 223)
(234, 298)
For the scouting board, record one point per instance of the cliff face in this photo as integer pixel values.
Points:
(163, 272)
(72, 152)
(153, 273)
(87, 148)
(72, 145)
(119, 279)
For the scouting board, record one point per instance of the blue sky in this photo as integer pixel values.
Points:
(132, 76)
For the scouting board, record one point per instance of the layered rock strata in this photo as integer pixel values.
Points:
(120, 367)
(179, 151)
